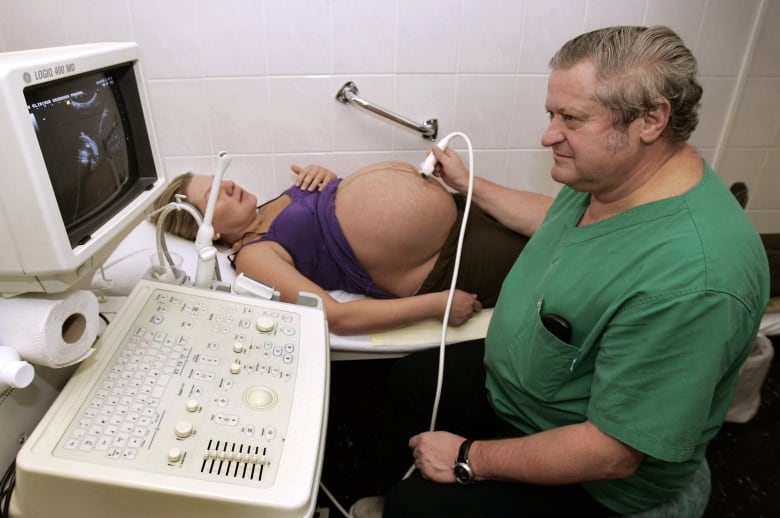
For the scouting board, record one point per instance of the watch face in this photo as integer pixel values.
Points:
(463, 473)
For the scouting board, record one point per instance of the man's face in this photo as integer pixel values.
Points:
(589, 153)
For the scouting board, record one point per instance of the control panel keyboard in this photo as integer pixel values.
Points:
(192, 391)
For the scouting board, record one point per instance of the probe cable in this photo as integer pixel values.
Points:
(447, 310)
(456, 269)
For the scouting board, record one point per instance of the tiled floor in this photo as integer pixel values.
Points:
(744, 458)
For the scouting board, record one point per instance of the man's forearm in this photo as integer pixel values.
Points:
(566, 455)
(521, 211)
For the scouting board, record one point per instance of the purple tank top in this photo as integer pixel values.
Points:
(308, 229)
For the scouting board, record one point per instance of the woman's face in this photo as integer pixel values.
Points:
(235, 210)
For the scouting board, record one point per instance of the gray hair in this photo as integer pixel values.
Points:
(636, 66)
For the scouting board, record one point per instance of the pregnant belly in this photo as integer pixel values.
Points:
(396, 222)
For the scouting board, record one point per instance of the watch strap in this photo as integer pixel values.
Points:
(463, 452)
(462, 469)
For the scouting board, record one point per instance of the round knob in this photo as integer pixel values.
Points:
(174, 455)
(183, 429)
(192, 405)
(260, 398)
(235, 368)
(238, 347)
(265, 324)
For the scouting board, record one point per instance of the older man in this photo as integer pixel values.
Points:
(615, 346)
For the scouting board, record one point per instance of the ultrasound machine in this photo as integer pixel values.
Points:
(197, 401)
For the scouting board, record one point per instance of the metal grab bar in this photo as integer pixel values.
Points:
(349, 94)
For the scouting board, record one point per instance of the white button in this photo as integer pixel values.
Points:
(265, 324)
(238, 347)
(192, 405)
(174, 455)
(235, 368)
(183, 429)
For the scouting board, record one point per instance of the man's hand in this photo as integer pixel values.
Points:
(434, 455)
(450, 169)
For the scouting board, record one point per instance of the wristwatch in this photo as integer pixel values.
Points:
(462, 469)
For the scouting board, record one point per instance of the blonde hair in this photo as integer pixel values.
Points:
(180, 222)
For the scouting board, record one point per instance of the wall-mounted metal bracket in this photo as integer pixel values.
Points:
(349, 94)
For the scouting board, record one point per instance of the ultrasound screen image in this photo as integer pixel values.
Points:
(86, 140)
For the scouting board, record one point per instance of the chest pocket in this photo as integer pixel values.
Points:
(541, 361)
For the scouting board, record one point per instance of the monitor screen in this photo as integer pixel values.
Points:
(80, 163)
(87, 137)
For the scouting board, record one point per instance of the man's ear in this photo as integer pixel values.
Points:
(655, 121)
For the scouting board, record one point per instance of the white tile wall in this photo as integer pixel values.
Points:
(766, 61)
(603, 13)
(724, 34)
(363, 37)
(490, 39)
(752, 149)
(547, 26)
(684, 17)
(427, 36)
(715, 102)
(231, 38)
(259, 77)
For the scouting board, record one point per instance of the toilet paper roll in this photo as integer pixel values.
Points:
(50, 330)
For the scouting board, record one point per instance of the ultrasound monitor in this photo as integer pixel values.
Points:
(80, 167)
(195, 402)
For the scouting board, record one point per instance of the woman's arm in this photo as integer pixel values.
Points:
(269, 262)
(367, 315)
(521, 211)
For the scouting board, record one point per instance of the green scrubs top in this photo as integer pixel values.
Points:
(664, 302)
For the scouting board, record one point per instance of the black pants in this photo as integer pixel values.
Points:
(464, 410)
(489, 251)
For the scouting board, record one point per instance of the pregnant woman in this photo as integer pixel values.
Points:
(383, 231)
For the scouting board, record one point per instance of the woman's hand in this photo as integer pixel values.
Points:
(312, 177)
(464, 305)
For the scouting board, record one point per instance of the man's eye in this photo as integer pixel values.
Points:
(565, 117)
